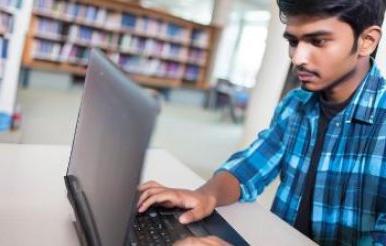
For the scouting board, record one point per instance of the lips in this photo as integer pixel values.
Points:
(305, 76)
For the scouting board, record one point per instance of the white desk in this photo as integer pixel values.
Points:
(34, 209)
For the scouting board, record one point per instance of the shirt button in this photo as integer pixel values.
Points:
(337, 124)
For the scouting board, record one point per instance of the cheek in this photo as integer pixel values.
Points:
(334, 61)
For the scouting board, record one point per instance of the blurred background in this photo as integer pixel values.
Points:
(218, 67)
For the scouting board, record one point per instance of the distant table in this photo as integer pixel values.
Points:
(34, 209)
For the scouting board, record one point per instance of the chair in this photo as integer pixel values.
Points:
(229, 97)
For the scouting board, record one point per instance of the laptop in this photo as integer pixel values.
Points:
(114, 126)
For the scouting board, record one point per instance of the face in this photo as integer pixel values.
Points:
(321, 50)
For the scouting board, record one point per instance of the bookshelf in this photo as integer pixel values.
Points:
(11, 46)
(155, 48)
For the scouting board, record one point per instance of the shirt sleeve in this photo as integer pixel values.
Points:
(256, 166)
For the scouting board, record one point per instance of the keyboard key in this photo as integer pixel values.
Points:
(161, 227)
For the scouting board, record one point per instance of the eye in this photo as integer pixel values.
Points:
(318, 42)
(293, 42)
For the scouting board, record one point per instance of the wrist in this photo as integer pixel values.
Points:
(210, 196)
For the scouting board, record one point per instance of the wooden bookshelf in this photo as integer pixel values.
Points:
(155, 48)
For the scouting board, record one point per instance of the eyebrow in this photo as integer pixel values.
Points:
(288, 35)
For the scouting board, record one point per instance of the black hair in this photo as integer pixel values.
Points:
(359, 14)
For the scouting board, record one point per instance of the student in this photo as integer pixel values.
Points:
(327, 139)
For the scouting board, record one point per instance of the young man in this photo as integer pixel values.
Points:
(327, 140)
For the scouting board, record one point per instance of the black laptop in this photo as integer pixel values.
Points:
(114, 126)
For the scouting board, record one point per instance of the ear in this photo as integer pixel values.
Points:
(369, 40)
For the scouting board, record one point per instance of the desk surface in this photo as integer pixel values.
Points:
(34, 209)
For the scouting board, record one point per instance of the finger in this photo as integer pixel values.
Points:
(200, 241)
(192, 215)
(167, 204)
(165, 196)
(147, 193)
(213, 240)
(148, 185)
(186, 241)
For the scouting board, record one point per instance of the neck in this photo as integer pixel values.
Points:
(345, 86)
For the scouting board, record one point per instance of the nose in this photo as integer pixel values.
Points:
(300, 55)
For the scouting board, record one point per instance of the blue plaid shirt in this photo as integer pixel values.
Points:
(349, 202)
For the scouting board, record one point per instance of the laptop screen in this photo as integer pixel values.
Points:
(114, 126)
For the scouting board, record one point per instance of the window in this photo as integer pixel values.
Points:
(242, 47)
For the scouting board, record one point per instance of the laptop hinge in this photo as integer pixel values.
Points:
(84, 224)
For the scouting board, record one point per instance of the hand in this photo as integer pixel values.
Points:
(199, 204)
(202, 241)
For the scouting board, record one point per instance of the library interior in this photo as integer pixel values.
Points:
(217, 68)
(199, 58)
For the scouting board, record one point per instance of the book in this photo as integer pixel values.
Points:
(197, 56)
(175, 32)
(11, 3)
(101, 16)
(125, 42)
(200, 38)
(44, 49)
(75, 54)
(58, 7)
(6, 22)
(113, 20)
(128, 21)
(91, 14)
(43, 4)
(149, 66)
(49, 27)
(192, 73)
(3, 48)
(3, 55)
(142, 41)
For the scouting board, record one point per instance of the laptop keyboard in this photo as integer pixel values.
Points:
(161, 227)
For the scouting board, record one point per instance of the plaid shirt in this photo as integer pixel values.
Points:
(349, 202)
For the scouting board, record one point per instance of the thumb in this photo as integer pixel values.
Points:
(191, 215)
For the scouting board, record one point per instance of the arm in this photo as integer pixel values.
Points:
(223, 187)
(242, 177)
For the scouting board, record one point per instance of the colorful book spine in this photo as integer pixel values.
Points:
(140, 44)
(125, 42)
(74, 54)
(43, 49)
(6, 22)
(200, 38)
(197, 56)
(192, 73)
(150, 66)
(113, 21)
(10, 3)
(175, 32)
(128, 21)
(3, 55)
(50, 27)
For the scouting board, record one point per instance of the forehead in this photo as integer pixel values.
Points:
(302, 25)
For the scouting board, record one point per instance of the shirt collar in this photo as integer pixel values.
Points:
(363, 105)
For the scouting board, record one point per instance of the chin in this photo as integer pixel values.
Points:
(309, 87)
